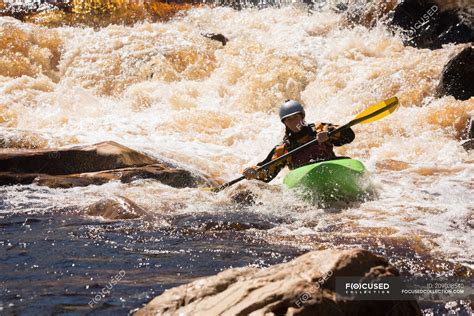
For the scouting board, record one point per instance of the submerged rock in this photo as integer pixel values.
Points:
(457, 78)
(214, 222)
(117, 207)
(244, 197)
(93, 164)
(304, 286)
(217, 37)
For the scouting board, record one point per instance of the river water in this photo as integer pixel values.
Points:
(165, 89)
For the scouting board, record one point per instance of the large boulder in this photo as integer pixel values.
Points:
(424, 24)
(457, 78)
(93, 164)
(78, 159)
(408, 12)
(427, 24)
(284, 289)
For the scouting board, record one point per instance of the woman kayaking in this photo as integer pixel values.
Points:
(297, 133)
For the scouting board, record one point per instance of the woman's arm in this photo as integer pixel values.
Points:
(343, 137)
(269, 173)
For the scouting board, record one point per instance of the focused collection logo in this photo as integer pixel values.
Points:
(404, 288)
(352, 288)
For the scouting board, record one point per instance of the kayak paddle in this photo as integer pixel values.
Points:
(372, 114)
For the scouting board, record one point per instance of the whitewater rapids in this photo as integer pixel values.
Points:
(165, 89)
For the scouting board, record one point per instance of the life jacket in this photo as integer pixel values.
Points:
(312, 153)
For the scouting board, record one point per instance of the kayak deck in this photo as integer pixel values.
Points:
(331, 180)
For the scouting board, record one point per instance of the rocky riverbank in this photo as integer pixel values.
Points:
(303, 286)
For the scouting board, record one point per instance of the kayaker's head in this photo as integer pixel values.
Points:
(292, 115)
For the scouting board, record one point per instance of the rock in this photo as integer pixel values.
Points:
(212, 222)
(283, 289)
(243, 197)
(454, 28)
(468, 144)
(248, 193)
(175, 177)
(408, 12)
(117, 207)
(78, 159)
(424, 24)
(217, 37)
(427, 25)
(457, 78)
(470, 128)
(94, 164)
(363, 12)
(19, 139)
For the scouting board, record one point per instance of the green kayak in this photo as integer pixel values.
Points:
(340, 179)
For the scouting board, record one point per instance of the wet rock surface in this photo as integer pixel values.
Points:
(93, 164)
(211, 222)
(427, 25)
(423, 24)
(283, 289)
(117, 207)
(468, 142)
(363, 12)
(216, 37)
(457, 78)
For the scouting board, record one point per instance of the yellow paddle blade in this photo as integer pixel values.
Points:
(390, 105)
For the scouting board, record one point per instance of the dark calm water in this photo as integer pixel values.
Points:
(58, 264)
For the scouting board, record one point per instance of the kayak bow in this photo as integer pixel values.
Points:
(331, 180)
